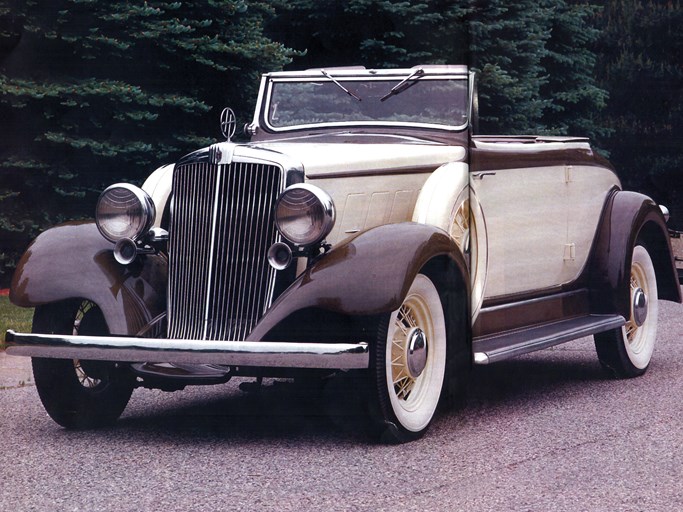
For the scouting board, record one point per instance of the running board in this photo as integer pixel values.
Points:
(490, 349)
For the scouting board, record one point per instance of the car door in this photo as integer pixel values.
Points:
(522, 193)
(588, 187)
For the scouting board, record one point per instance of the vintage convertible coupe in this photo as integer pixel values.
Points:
(364, 228)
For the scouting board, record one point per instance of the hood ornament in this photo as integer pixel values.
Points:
(228, 123)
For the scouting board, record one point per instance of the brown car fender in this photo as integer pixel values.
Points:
(629, 219)
(74, 261)
(369, 275)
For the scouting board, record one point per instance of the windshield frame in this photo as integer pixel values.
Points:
(392, 77)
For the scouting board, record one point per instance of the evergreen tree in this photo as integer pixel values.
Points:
(641, 68)
(507, 43)
(374, 33)
(572, 89)
(93, 92)
(534, 58)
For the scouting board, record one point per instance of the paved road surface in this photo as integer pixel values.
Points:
(547, 431)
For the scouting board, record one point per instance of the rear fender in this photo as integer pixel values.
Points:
(629, 219)
(368, 275)
(74, 261)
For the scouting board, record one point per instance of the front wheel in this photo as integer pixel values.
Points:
(79, 394)
(627, 351)
(409, 364)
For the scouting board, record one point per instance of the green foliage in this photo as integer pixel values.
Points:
(572, 89)
(375, 33)
(641, 66)
(13, 317)
(508, 42)
(93, 92)
(534, 58)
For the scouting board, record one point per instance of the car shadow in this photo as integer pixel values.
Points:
(277, 409)
(334, 407)
(533, 375)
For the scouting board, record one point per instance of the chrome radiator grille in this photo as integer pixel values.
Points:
(220, 282)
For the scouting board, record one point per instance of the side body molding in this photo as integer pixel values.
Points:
(74, 261)
(366, 275)
(629, 218)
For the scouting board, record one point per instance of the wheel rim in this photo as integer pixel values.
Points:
(640, 329)
(460, 229)
(464, 231)
(415, 376)
(84, 379)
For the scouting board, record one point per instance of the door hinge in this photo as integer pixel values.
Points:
(569, 252)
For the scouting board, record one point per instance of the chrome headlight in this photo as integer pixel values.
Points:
(304, 214)
(124, 211)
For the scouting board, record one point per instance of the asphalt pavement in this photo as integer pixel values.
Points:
(546, 431)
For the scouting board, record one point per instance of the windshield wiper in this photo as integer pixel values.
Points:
(327, 75)
(404, 84)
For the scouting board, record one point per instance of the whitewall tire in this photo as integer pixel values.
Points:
(409, 363)
(627, 351)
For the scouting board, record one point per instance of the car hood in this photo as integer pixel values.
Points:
(327, 159)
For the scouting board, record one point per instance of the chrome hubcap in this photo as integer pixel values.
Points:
(416, 352)
(639, 306)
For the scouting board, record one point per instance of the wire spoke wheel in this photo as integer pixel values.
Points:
(78, 393)
(412, 369)
(627, 351)
(464, 230)
(410, 362)
(636, 331)
(87, 381)
(460, 228)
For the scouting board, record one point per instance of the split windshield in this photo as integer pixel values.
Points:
(420, 99)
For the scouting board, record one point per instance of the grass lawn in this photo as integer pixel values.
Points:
(12, 317)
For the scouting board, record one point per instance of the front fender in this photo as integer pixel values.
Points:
(366, 275)
(74, 261)
(629, 218)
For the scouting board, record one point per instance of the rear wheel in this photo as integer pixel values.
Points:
(77, 393)
(409, 364)
(627, 351)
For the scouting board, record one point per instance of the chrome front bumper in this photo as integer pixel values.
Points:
(337, 356)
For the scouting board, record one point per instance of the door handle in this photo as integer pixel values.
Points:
(480, 175)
